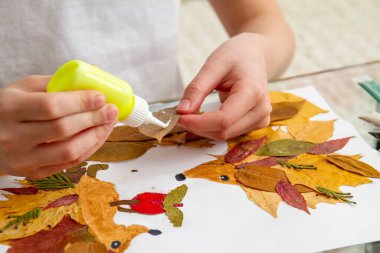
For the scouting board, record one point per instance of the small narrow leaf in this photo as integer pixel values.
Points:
(284, 147)
(22, 219)
(337, 195)
(175, 216)
(175, 196)
(297, 166)
(22, 190)
(329, 147)
(63, 201)
(352, 165)
(291, 195)
(243, 150)
(266, 162)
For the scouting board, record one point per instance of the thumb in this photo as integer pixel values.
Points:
(204, 82)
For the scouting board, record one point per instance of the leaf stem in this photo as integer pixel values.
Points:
(296, 166)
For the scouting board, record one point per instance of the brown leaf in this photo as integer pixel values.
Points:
(285, 110)
(268, 201)
(350, 164)
(291, 196)
(21, 190)
(216, 170)
(93, 169)
(63, 201)
(329, 147)
(312, 131)
(47, 241)
(120, 151)
(284, 147)
(261, 178)
(86, 247)
(243, 150)
(74, 176)
(127, 133)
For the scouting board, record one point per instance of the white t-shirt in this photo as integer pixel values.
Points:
(136, 40)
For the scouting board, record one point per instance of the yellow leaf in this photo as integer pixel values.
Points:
(20, 204)
(47, 220)
(313, 131)
(268, 201)
(313, 199)
(326, 175)
(306, 111)
(216, 170)
(257, 134)
(94, 202)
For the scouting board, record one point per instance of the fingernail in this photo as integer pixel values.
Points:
(111, 112)
(99, 100)
(184, 105)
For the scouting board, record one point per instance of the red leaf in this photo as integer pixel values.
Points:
(150, 203)
(63, 201)
(266, 162)
(243, 150)
(22, 190)
(192, 137)
(329, 147)
(47, 241)
(291, 195)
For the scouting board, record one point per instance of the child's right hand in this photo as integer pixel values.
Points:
(43, 133)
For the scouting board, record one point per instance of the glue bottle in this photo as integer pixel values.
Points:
(78, 75)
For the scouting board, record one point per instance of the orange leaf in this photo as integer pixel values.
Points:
(312, 131)
(350, 164)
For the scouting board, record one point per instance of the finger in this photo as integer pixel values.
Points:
(209, 77)
(71, 150)
(46, 171)
(50, 106)
(38, 132)
(33, 83)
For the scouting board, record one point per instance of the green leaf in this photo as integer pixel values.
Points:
(54, 182)
(93, 169)
(284, 147)
(175, 196)
(175, 215)
(24, 219)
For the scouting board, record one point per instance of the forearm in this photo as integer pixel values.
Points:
(264, 19)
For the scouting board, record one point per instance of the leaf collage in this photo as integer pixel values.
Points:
(293, 160)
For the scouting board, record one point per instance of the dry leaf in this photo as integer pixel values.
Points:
(268, 201)
(266, 162)
(93, 169)
(284, 147)
(257, 134)
(306, 111)
(216, 170)
(312, 131)
(74, 176)
(120, 151)
(47, 241)
(21, 190)
(261, 178)
(352, 165)
(326, 175)
(329, 147)
(85, 247)
(291, 195)
(158, 132)
(242, 150)
(127, 133)
(94, 199)
(285, 110)
(63, 201)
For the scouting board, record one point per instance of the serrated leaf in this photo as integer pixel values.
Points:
(175, 215)
(291, 195)
(120, 151)
(243, 150)
(352, 165)
(312, 131)
(175, 196)
(329, 147)
(284, 147)
(93, 169)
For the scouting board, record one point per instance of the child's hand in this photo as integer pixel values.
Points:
(237, 69)
(43, 133)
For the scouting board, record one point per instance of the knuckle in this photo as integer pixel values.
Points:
(85, 100)
(263, 123)
(102, 132)
(61, 128)
(225, 123)
(222, 136)
(69, 153)
(49, 107)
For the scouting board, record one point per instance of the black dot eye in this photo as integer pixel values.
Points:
(180, 177)
(224, 178)
(115, 244)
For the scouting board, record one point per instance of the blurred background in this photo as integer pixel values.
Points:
(329, 34)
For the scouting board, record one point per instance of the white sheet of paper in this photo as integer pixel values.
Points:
(220, 218)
